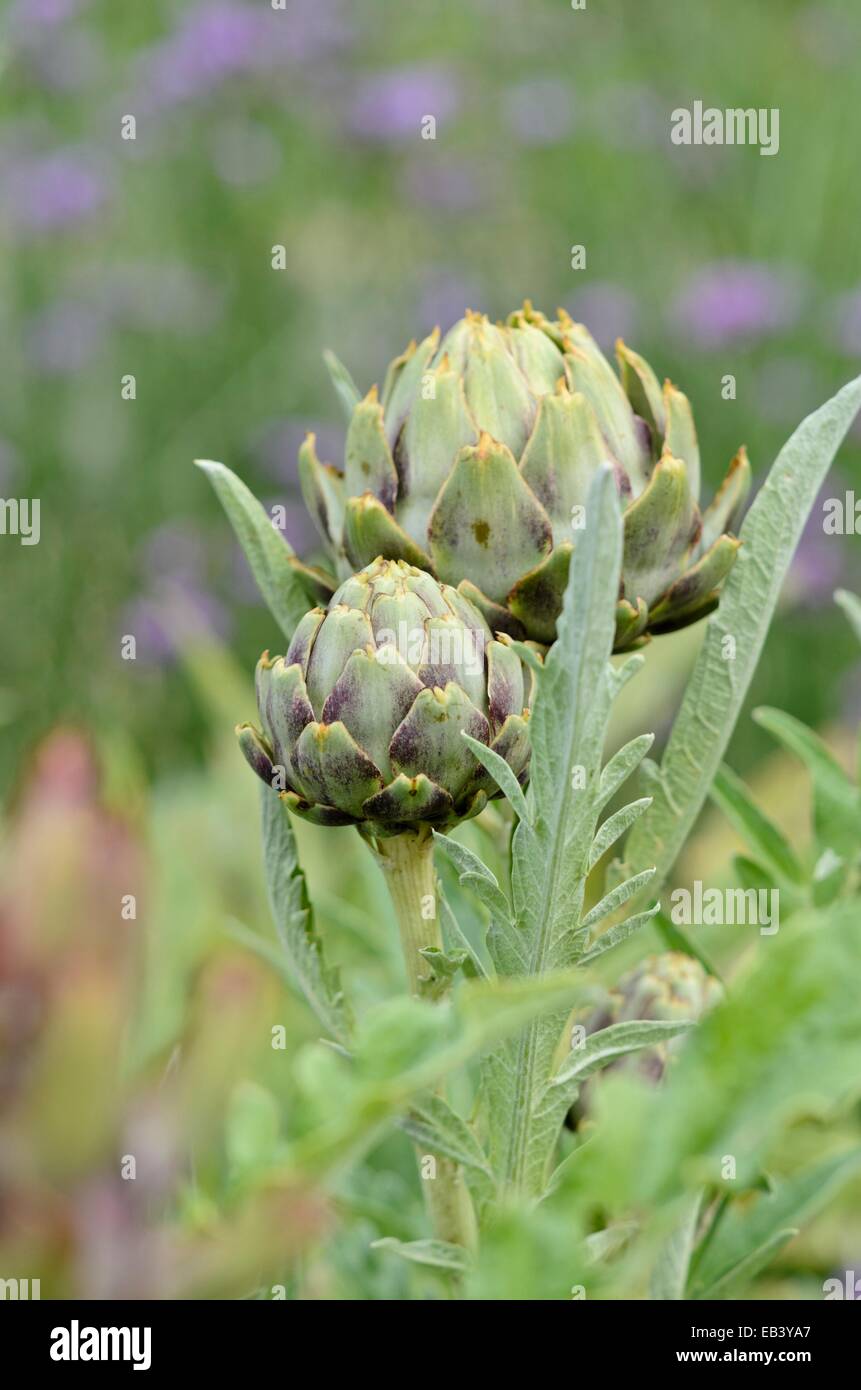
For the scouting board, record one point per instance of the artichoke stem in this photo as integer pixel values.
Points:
(407, 861)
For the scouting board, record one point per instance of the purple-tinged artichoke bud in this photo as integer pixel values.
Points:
(362, 719)
(475, 464)
(671, 986)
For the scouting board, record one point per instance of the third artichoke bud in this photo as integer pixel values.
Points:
(363, 718)
(474, 464)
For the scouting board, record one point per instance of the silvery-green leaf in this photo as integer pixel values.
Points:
(600, 1049)
(440, 1254)
(617, 896)
(348, 392)
(501, 773)
(614, 936)
(474, 872)
(291, 912)
(453, 934)
(266, 551)
(568, 728)
(736, 632)
(436, 1128)
(621, 765)
(670, 1274)
(616, 825)
(759, 1228)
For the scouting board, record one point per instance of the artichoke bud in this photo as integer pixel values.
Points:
(668, 987)
(476, 461)
(365, 714)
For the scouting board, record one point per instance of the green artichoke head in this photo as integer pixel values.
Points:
(474, 464)
(362, 719)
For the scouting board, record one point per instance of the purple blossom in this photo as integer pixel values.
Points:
(65, 66)
(165, 297)
(174, 550)
(390, 106)
(41, 14)
(64, 338)
(53, 191)
(847, 320)
(818, 567)
(444, 183)
(539, 110)
(170, 613)
(609, 311)
(732, 301)
(221, 39)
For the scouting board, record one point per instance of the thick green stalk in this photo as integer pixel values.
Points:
(407, 861)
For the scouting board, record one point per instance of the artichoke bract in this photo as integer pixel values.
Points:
(362, 719)
(474, 465)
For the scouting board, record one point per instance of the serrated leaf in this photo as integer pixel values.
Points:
(731, 795)
(614, 936)
(670, 1274)
(407, 1047)
(474, 872)
(266, 551)
(437, 1253)
(615, 826)
(502, 775)
(601, 1048)
(348, 392)
(750, 1229)
(621, 765)
(291, 912)
(454, 933)
(435, 1127)
(616, 898)
(620, 675)
(567, 729)
(722, 674)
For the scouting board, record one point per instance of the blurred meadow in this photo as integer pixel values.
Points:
(140, 978)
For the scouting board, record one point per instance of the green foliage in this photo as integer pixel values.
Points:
(736, 632)
(267, 553)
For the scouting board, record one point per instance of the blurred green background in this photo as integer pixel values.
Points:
(152, 258)
(301, 127)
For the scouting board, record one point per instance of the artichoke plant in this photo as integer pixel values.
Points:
(362, 719)
(475, 463)
(670, 986)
